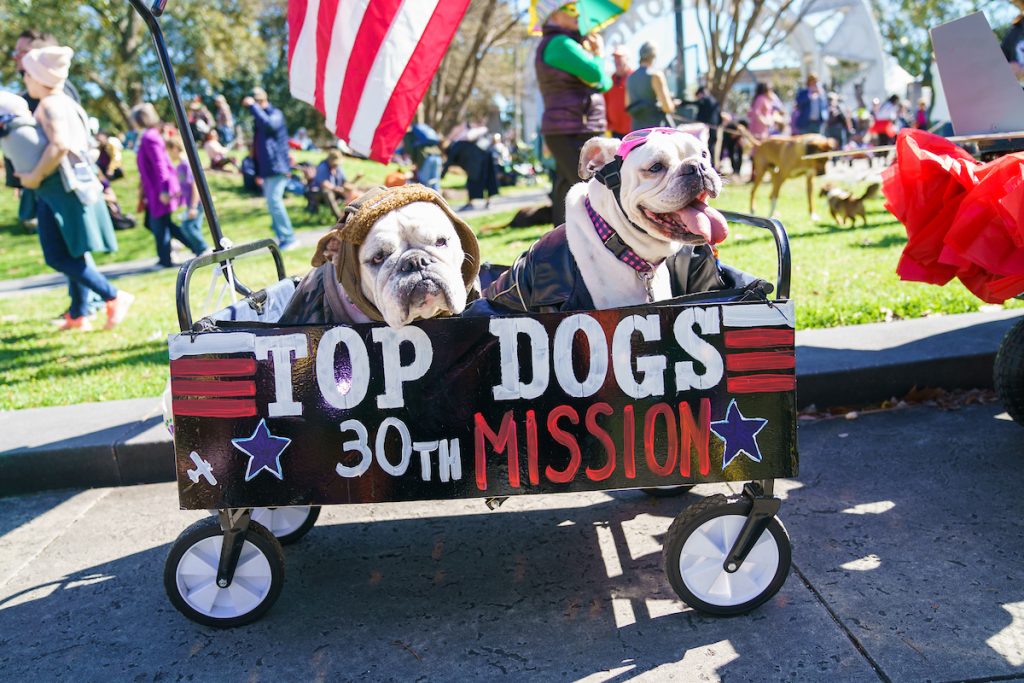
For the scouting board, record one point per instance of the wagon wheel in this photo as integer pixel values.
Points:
(668, 491)
(1009, 372)
(697, 544)
(288, 524)
(190, 575)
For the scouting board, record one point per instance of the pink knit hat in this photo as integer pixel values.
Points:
(48, 65)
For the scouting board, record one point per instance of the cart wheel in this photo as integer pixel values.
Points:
(288, 524)
(697, 544)
(668, 491)
(190, 575)
(1009, 372)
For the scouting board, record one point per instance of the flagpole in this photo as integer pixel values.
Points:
(680, 51)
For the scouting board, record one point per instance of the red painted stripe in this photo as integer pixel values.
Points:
(324, 31)
(369, 40)
(217, 407)
(194, 387)
(760, 360)
(757, 337)
(213, 367)
(296, 18)
(758, 384)
(416, 77)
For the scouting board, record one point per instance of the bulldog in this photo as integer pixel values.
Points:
(398, 255)
(638, 230)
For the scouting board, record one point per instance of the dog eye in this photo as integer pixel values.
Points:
(441, 242)
(656, 168)
(704, 154)
(378, 258)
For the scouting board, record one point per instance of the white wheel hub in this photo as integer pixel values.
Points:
(281, 521)
(196, 576)
(703, 556)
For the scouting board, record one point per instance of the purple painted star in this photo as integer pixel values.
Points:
(264, 451)
(739, 434)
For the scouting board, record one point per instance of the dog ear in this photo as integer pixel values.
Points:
(596, 153)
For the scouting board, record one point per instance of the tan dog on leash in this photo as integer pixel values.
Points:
(784, 157)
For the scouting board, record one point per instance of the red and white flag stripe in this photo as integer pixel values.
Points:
(366, 65)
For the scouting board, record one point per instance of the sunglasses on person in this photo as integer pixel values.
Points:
(638, 137)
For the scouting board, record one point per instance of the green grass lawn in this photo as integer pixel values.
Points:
(841, 276)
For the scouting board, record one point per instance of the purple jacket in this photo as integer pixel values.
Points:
(570, 105)
(156, 174)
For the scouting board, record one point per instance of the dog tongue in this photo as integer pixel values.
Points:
(701, 219)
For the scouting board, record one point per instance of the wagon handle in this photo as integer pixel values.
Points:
(781, 246)
(149, 15)
(224, 255)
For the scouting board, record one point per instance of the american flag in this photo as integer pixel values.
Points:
(366, 64)
(213, 387)
(759, 348)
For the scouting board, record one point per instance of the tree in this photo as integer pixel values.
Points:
(736, 32)
(115, 65)
(479, 63)
(904, 25)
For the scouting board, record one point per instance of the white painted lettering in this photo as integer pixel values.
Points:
(350, 389)
(650, 368)
(283, 348)
(424, 448)
(508, 330)
(395, 374)
(706, 319)
(358, 444)
(381, 449)
(597, 368)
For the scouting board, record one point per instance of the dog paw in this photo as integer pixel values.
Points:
(815, 218)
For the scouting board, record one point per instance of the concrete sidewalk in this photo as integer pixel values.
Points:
(305, 238)
(907, 567)
(118, 443)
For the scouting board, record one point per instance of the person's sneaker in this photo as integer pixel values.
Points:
(289, 245)
(117, 308)
(70, 323)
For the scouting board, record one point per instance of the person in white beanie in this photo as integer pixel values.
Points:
(82, 228)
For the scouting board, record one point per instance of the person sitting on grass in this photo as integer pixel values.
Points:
(329, 185)
(218, 153)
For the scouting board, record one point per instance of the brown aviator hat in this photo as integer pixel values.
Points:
(355, 224)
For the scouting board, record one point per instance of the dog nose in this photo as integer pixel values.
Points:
(417, 260)
(694, 166)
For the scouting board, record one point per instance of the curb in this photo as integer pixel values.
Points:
(837, 366)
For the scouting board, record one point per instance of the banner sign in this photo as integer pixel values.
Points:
(649, 396)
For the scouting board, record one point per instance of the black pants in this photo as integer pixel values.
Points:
(566, 151)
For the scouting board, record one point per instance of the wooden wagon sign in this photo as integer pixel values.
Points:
(481, 407)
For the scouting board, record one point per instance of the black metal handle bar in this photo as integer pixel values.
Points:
(223, 256)
(149, 15)
(781, 246)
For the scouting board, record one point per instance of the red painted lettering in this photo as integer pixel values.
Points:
(665, 411)
(601, 435)
(628, 446)
(695, 437)
(531, 447)
(504, 440)
(566, 439)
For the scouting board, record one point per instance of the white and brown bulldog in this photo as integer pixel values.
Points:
(639, 230)
(398, 255)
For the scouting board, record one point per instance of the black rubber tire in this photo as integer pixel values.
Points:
(258, 536)
(693, 517)
(668, 491)
(1008, 373)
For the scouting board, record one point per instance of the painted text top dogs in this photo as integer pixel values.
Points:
(637, 231)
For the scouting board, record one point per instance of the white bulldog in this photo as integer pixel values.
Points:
(665, 184)
(398, 255)
(411, 265)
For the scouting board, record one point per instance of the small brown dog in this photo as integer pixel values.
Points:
(845, 207)
(784, 157)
